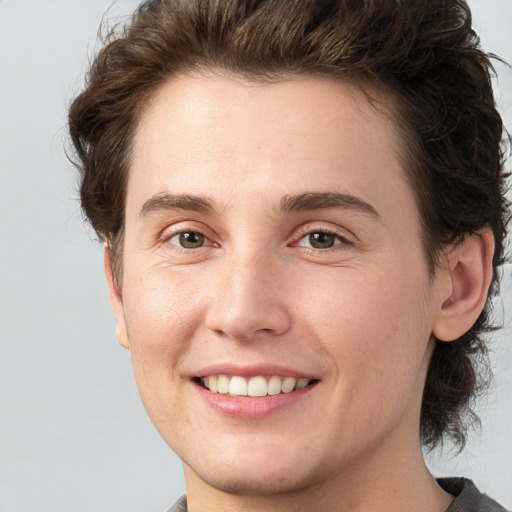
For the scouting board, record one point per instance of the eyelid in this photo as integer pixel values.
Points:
(339, 239)
(183, 226)
(180, 233)
(186, 227)
(339, 244)
(312, 227)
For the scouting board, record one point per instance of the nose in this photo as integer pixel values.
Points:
(248, 301)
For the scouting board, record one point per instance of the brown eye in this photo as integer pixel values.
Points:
(189, 239)
(322, 240)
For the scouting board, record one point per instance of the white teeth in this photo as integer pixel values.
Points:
(288, 384)
(301, 383)
(238, 386)
(274, 385)
(255, 386)
(223, 384)
(212, 383)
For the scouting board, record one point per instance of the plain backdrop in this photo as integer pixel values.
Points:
(73, 433)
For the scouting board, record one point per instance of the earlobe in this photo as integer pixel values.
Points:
(116, 300)
(469, 269)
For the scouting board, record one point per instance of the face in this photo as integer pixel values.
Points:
(276, 299)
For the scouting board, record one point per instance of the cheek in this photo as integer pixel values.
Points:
(161, 318)
(159, 311)
(376, 331)
(376, 339)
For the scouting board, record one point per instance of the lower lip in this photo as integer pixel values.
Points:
(249, 407)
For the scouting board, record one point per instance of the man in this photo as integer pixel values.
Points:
(303, 208)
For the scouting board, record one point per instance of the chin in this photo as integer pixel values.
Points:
(241, 482)
(276, 470)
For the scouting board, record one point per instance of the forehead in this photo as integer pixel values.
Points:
(233, 138)
(254, 113)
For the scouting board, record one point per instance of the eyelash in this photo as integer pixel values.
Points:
(340, 240)
(168, 239)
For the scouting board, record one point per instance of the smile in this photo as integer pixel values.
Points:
(258, 386)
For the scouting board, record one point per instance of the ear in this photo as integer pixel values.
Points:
(469, 273)
(116, 300)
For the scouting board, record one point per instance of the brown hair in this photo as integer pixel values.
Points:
(424, 54)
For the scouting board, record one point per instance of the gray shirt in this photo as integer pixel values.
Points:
(467, 498)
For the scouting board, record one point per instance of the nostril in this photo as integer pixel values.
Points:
(246, 324)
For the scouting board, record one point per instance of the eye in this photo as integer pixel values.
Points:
(320, 240)
(188, 239)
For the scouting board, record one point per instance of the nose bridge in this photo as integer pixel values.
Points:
(248, 299)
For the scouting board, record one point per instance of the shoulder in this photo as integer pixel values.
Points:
(467, 497)
(180, 505)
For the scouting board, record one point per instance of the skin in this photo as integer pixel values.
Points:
(358, 316)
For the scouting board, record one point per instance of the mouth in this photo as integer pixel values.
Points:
(254, 387)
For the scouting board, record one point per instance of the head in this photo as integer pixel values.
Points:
(418, 64)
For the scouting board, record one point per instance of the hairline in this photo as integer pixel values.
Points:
(381, 97)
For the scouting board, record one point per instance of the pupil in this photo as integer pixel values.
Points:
(321, 240)
(191, 240)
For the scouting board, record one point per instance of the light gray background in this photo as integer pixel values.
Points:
(73, 433)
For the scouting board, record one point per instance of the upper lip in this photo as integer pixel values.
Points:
(264, 370)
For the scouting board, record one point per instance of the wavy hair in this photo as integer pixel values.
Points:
(424, 55)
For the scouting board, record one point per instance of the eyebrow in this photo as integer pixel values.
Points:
(301, 202)
(165, 201)
(325, 200)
